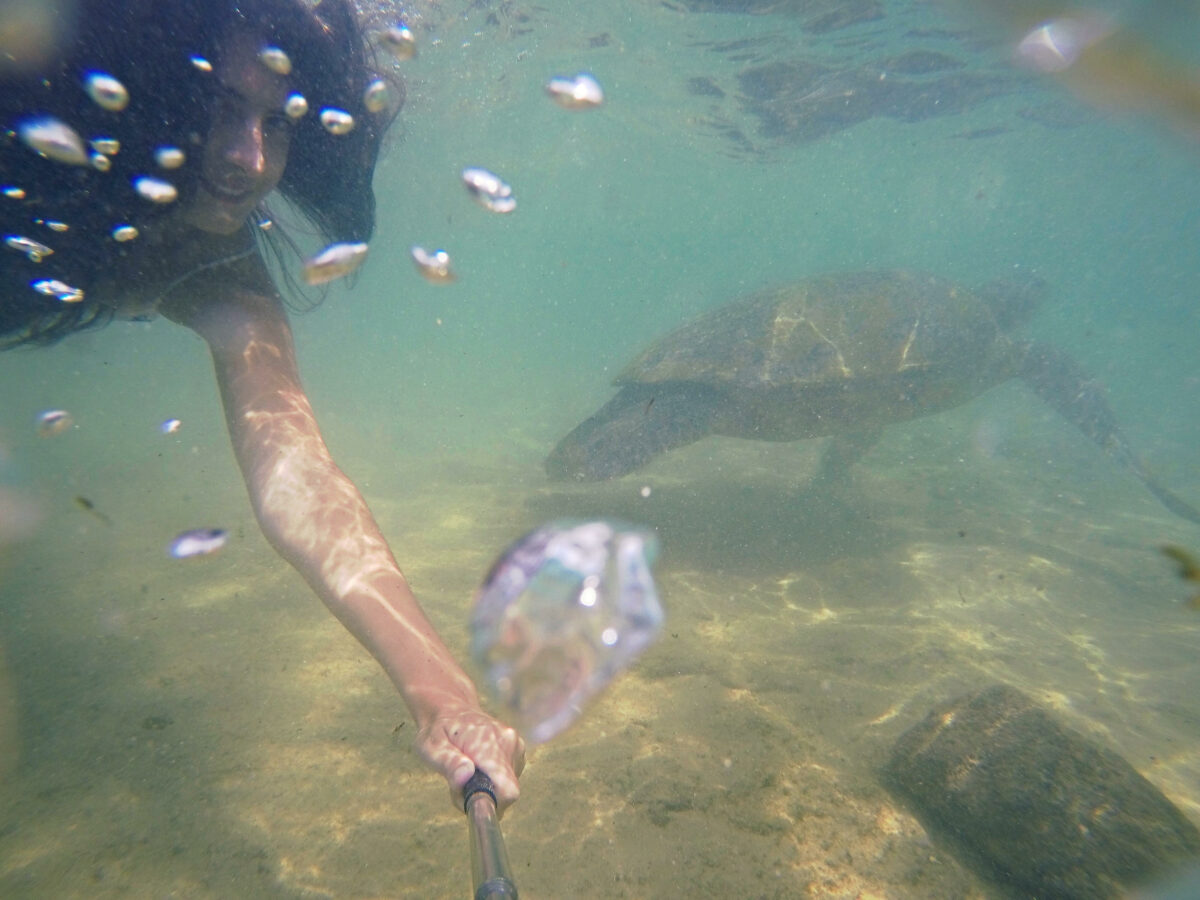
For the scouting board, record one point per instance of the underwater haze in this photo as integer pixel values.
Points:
(203, 728)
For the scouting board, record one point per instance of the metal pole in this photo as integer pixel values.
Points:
(491, 874)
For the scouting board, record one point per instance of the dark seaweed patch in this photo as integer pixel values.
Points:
(922, 62)
(704, 87)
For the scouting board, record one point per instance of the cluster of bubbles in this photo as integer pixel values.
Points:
(491, 191)
(54, 139)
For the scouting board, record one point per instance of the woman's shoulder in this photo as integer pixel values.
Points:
(186, 272)
(228, 280)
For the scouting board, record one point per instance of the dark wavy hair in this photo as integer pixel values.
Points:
(158, 49)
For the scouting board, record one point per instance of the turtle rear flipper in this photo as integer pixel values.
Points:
(641, 422)
(1061, 382)
(1171, 501)
(843, 451)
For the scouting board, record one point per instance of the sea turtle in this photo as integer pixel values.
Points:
(839, 355)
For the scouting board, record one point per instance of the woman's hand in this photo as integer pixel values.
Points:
(462, 739)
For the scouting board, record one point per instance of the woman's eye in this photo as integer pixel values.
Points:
(226, 108)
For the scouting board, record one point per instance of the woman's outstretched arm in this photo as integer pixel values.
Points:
(316, 519)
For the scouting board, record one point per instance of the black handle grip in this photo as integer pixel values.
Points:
(476, 784)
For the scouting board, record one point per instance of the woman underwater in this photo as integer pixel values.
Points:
(134, 159)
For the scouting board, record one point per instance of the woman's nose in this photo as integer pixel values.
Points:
(245, 148)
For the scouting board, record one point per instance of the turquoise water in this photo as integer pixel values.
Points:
(205, 729)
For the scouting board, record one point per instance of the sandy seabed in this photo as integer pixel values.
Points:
(204, 729)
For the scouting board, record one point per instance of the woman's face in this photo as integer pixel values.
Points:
(247, 144)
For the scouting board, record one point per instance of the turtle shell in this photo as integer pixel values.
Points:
(835, 329)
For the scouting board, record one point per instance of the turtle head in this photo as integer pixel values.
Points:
(1014, 299)
(641, 422)
(575, 459)
(613, 442)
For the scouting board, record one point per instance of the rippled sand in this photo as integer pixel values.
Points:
(205, 729)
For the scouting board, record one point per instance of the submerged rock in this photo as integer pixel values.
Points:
(1032, 805)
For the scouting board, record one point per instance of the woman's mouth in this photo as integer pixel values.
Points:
(227, 194)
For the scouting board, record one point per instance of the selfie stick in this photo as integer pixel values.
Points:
(490, 872)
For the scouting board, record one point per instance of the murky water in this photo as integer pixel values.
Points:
(203, 728)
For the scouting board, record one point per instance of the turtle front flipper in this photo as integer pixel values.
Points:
(640, 423)
(1061, 382)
